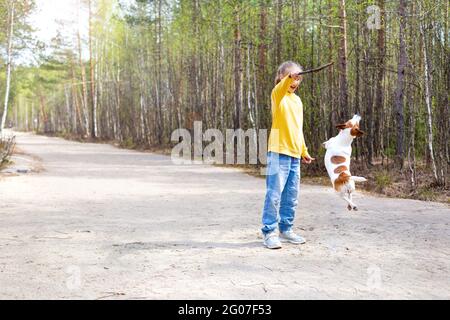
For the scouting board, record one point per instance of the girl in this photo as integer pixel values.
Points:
(286, 147)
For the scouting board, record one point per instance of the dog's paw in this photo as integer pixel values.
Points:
(355, 208)
(349, 207)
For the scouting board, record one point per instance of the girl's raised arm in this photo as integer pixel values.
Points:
(281, 88)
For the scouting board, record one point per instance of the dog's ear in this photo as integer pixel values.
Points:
(341, 126)
(356, 132)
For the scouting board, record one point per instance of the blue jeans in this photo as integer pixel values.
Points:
(283, 180)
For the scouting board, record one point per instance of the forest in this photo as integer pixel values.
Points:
(147, 67)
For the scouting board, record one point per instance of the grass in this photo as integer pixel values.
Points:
(128, 144)
(383, 179)
(4, 163)
(427, 194)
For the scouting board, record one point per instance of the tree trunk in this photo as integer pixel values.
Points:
(279, 26)
(343, 86)
(357, 101)
(262, 63)
(238, 72)
(160, 120)
(83, 85)
(91, 64)
(8, 62)
(331, 78)
(427, 78)
(221, 73)
(379, 95)
(400, 85)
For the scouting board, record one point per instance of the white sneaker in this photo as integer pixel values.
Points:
(272, 241)
(291, 237)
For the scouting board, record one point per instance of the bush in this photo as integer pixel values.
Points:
(128, 143)
(7, 145)
(427, 193)
(383, 180)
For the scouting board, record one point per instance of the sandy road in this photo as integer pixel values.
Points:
(105, 223)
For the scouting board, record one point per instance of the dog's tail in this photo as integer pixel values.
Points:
(358, 179)
(327, 143)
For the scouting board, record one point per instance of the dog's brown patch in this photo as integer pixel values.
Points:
(343, 126)
(341, 180)
(340, 169)
(355, 131)
(338, 159)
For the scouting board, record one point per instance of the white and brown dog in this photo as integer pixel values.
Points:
(337, 159)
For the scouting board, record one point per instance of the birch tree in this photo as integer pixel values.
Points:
(11, 11)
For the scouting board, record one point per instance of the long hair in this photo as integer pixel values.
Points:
(281, 72)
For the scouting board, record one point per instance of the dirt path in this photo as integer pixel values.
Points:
(104, 223)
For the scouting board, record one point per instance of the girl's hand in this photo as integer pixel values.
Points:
(295, 76)
(307, 159)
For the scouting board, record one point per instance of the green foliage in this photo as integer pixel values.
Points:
(426, 193)
(6, 150)
(128, 143)
(382, 180)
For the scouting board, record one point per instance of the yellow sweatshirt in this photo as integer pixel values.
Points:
(286, 135)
